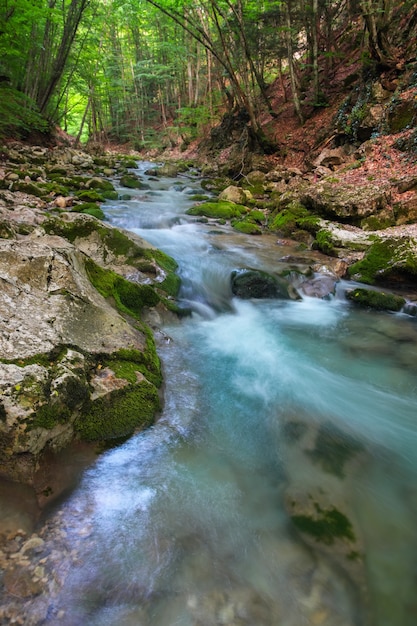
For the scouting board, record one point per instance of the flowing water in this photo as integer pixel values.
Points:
(189, 523)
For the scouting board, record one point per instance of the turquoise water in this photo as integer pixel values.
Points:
(189, 523)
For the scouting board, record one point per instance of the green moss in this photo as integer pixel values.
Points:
(256, 188)
(376, 299)
(49, 415)
(221, 209)
(295, 216)
(131, 182)
(378, 261)
(199, 197)
(256, 216)
(73, 230)
(324, 242)
(6, 232)
(89, 208)
(120, 413)
(110, 195)
(30, 188)
(376, 223)
(37, 359)
(55, 188)
(126, 362)
(129, 297)
(333, 449)
(171, 285)
(163, 260)
(90, 195)
(326, 527)
(247, 227)
(100, 183)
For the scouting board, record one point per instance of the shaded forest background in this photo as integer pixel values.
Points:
(161, 74)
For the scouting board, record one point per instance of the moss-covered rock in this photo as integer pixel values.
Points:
(120, 414)
(378, 300)
(252, 283)
(391, 260)
(221, 210)
(89, 208)
(292, 218)
(324, 242)
(132, 182)
(90, 195)
(247, 227)
(130, 298)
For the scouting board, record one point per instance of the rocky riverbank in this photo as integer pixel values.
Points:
(78, 359)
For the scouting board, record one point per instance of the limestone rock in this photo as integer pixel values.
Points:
(55, 330)
(330, 158)
(233, 194)
(346, 202)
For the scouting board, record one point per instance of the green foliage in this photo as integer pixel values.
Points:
(18, 113)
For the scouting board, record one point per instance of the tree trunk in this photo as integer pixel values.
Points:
(290, 54)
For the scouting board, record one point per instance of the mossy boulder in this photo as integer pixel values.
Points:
(247, 227)
(253, 283)
(83, 363)
(89, 208)
(387, 261)
(90, 195)
(324, 242)
(379, 300)
(99, 183)
(292, 218)
(132, 182)
(221, 209)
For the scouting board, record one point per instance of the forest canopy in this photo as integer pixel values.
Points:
(152, 72)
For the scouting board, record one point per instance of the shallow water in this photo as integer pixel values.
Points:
(188, 523)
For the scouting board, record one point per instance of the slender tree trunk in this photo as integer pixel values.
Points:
(290, 54)
(315, 51)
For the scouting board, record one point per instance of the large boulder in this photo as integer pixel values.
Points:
(58, 336)
(76, 359)
(346, 202)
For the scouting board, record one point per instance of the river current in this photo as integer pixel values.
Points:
(189, 523)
